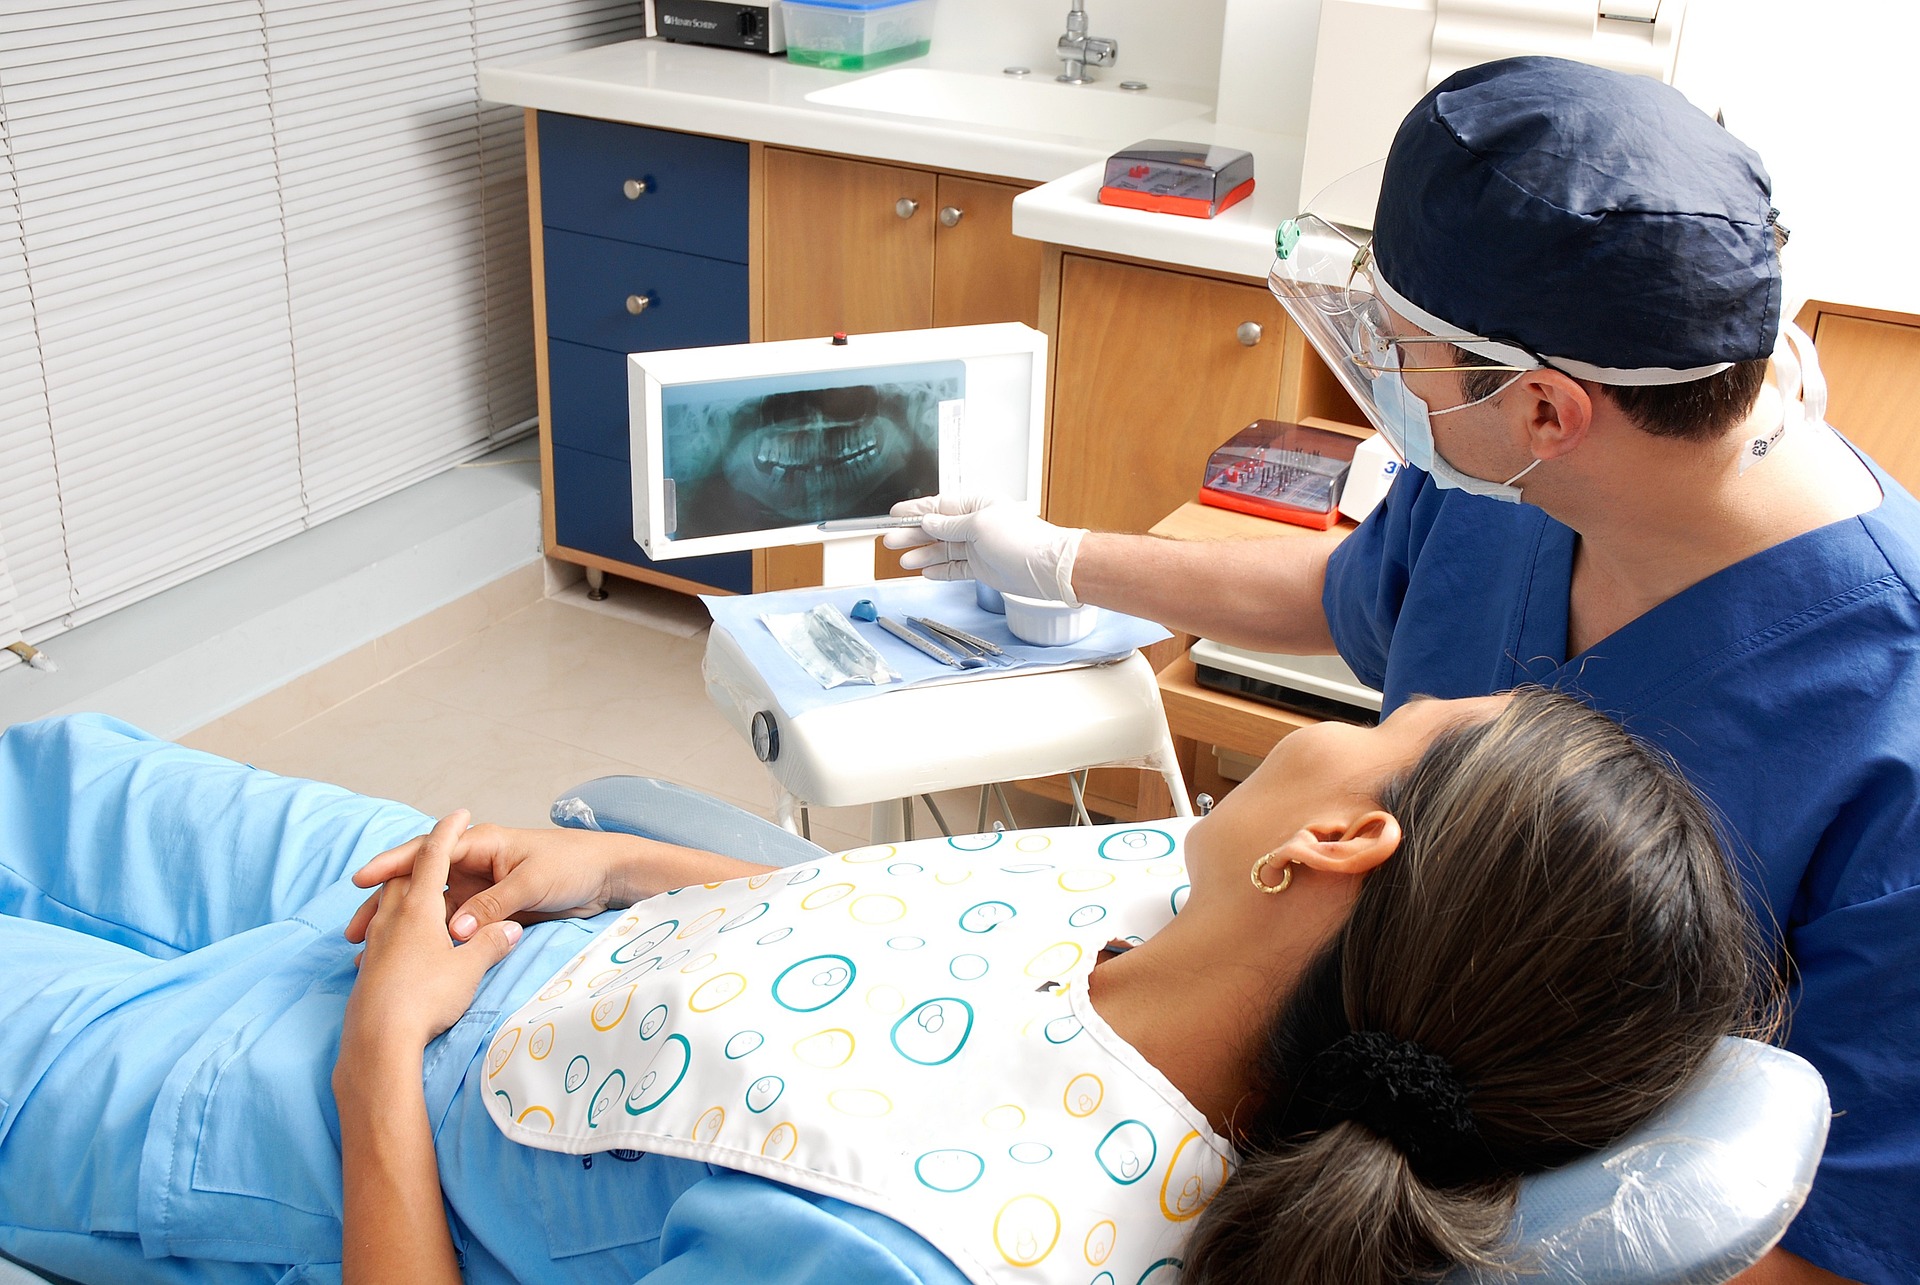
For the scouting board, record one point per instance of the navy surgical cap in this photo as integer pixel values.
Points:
(1596, 219)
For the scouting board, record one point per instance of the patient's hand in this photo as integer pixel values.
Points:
(530, 875)
(415, 981)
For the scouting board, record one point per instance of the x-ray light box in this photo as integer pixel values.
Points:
(752, 446)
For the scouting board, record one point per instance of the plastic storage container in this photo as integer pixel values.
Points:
(857, 35)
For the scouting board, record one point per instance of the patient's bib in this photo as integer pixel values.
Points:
(905, 1028)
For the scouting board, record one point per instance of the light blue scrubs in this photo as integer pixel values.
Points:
(1787, 687)
(174, 983)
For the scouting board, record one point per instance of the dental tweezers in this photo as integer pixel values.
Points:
(926, 646)
(978, 646)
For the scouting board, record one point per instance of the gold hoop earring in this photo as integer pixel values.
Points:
(1286, 875)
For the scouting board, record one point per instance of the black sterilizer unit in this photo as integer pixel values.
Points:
(731, 24)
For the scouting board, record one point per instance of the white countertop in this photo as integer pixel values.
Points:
(730, 94)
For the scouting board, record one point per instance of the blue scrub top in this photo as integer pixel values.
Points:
(1787, 687)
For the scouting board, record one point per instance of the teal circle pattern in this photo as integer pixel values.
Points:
(827, 979)
(933, 1031)
(676, 1049)
(949, 1170)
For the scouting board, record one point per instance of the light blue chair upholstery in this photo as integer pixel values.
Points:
(675, 814)
(1693, 1197)
(12, 1273)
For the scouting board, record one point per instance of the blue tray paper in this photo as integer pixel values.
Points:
(950, 602)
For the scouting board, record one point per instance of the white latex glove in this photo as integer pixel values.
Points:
(990, 539)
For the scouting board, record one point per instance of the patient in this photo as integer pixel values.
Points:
(1409, 964)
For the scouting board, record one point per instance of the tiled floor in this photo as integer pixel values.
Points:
(538, 700)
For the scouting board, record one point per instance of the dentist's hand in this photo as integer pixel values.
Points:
(990, 539)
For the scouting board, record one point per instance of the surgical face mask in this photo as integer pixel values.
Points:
(1407, 424)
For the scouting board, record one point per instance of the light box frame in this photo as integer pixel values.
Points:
(1006, 367)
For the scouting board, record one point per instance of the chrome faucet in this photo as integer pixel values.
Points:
(1079, 51)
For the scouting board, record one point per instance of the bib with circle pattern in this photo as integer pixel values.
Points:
(902, 1027)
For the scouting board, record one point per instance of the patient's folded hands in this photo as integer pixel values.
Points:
(415, 981)
(497, 873)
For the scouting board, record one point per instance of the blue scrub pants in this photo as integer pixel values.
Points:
(159, 905)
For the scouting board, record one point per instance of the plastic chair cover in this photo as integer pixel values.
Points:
(675, 814)
(1694, 1196)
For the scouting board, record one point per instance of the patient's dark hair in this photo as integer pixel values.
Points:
(1561, 929)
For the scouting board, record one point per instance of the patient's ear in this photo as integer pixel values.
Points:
(1351, 847)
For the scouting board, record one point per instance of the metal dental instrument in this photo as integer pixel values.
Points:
(979, 646)
(932, 649)
(867, 524)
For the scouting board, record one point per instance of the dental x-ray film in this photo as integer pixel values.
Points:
(745, 455)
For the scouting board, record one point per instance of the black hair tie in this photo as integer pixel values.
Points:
(1406, 1094)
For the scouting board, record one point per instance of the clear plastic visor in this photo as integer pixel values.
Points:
(1324, 277)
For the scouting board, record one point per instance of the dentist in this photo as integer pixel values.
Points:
(1568, 322)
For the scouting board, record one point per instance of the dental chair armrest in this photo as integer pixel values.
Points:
(13, 1272)
(670, 813)
(1694, 1196)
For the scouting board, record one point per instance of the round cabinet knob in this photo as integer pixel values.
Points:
(635, 188)
(639, 303)
(950, 216)
(766, 736)
(1249, 333)
(905, 207)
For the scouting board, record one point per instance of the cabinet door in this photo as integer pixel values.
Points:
(1153, 375)
(839, 254)
(1870, 364)
(982, 272)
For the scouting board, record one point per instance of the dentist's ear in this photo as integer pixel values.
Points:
(1352, 847)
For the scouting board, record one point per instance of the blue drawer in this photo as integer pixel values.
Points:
(589, 398)
(692, 302)
(696, 197)
(593, 511)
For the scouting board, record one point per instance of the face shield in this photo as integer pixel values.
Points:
(1325, 277)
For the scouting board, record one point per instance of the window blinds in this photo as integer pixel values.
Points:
(261, 262)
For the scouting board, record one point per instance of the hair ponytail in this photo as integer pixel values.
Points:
(1555, 948)
(1343, 1207)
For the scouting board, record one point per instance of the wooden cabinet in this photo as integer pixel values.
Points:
(1871, 359)
(860, 246)
(640, 243)
(1154, 369)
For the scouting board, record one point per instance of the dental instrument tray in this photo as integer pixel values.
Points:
(1290, 472)
(1170, 177)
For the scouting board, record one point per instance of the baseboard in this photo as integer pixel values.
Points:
(202, 649)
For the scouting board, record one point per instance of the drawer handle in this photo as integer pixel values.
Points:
(950, 216)
(1248, 333)
(905, 207)
(639, 303)
(635, 188)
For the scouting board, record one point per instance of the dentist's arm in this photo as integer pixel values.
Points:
(1261, 594)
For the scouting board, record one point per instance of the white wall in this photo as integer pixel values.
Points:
(1824, 92)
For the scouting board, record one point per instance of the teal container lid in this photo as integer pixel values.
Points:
(856, 6)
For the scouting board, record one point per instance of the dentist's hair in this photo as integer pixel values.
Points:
(1550, 955)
